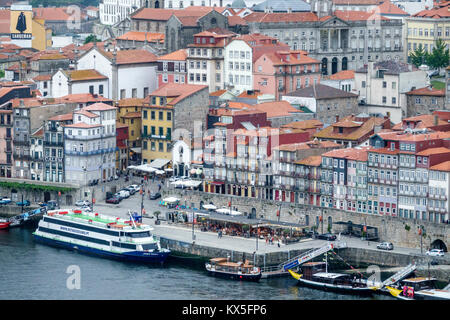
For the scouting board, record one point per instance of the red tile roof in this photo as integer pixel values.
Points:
(444, 166)
(176, 91)
(427, 91)
(179, 55)
(99, 106)
(343, 75)
(434, 13)
(82, 125)
(140, 36)
(263, 17)
(431, 151)
(54, 14)
(84, 75)
(388, 8)
(409, 137)
(313, 161)
(358, 154)
(62, 117)
(86, 113)
(131, 56)
(43, 77)
(422, 121)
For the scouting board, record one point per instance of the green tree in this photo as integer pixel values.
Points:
(419, 56)
(440, 56)
(2, 73)
(91, 38)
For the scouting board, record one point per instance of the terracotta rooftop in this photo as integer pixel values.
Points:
(99, 106)
(444, 166)
(218, 93)
(54, 14)
(179, 55)
(140, 36)
(86, 113)
(388, 8)
(306, 124)
(434, 13)
(421, 122)
(43, 77)
(359, 154)
(343, 75)
(263, 17)
(131, 56)
(176, 91)
(132, 115)
(82, 125)
(82, 98)
(364, 129)
(276, 109)
(349, 15)
(62, 117)
(427, 91)
(313, 161)
(130, 102)
(410, 137)
(431, 151)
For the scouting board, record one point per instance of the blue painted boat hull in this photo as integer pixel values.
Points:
(133, 256)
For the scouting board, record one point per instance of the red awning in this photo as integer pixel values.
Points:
(217, 183)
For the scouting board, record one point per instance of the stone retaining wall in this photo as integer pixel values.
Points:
(400, 231)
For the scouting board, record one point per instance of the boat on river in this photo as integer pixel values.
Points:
(222, 267)
(4, 224)
(101, 235)
(316, 275)
(418, 288)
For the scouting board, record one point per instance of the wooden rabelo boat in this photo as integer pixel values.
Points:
(316, 275)
(418, 288)
(222, 267)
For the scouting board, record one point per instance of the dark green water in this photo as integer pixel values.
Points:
(30, 270)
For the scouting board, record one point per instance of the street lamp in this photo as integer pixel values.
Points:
(421, 231)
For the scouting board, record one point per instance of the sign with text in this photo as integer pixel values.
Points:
(21, 22)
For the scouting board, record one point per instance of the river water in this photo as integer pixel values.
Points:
(30, 270)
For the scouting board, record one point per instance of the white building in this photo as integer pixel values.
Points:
(384, 84)
(36, 152)
(44, 84)
(66, 82)
(238, 66)
(90, 144)
(413, 6)
(438, 191)
(131, 73)
(113, 11)
(206, 59)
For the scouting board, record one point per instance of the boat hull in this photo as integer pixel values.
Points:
(235, 276)
(4, 225)
(133, 256)
(335, 288)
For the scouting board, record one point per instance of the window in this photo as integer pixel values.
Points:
(134, 93)
(161, 115)
(100, 89)
(363, 84)
(384, 99)
(91, 89)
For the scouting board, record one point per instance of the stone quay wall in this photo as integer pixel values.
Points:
(400, 231)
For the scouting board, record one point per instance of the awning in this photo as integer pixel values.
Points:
(171, 199)
(228, 211)
(131, 167)
(136, 150)
(159, 163)
(209, 207)
(217, 183)
(168, 169)
(146, 168)
(159, 172)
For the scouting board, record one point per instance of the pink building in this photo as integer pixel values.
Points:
(284, 71)
(172, 68)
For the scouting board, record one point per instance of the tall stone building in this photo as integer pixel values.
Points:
(341, 40)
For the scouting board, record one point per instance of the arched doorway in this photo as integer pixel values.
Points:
(439, 244)
(334, 65)
(344, 63)
(253, 214)
(156, 4)
(46, 196)
(325, 66)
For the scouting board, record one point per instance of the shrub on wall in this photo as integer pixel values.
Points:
(407, 227)
(33, 187)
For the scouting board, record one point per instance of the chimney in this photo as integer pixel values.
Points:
(337, 118)
(436, 120)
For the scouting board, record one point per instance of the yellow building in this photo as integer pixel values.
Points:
(172, 106)
(157, 125)
(427, 26)
(42, 35)
(129, 113)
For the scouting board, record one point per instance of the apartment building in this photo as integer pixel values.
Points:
(206, 58)
(238, 65)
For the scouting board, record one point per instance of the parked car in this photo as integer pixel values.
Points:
(24, 203)
(435, 253)
(5, 200)
(326, 236)
(119, 195)
(385, 246)
(125, 193)
(50, 204)
(173, 179)
(433, 73)
(155, 195)
(86, 208)
(82, 203)
(131, 189)
(135, 186)
(113, 199)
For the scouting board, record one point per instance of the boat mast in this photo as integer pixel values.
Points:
(132, 219)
